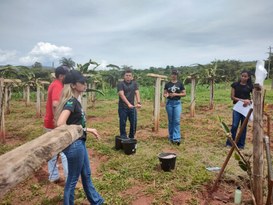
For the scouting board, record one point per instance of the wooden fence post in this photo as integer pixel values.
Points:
(2, 111)
(93, 94)
(28, 95)
(211, 81)
(38, 102)
(258, 135)
(157, 99)
(192, 105)
(6, 98)
(84, 102)
(162, 92)
(24, 94)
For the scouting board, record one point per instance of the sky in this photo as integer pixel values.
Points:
(137, 33)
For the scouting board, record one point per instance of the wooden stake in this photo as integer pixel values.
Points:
(157, 99)
(38, 102)
(211, 80)
(28, 95)
(84, 102)
(162, 91)
(192, 105)
(215, 185)
(258, 134)
(269, 169)
(2, 111)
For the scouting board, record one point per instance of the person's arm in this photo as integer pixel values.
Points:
(124, 99)
(137, 94)
(54, 105)
(94, 132)
(166, 94)
(63, 117)
(182, 94)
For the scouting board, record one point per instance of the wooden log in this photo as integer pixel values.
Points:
(192, 105)
(157, 76)
(258, 135)
(23, 161)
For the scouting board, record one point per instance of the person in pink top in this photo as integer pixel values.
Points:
(53, 96)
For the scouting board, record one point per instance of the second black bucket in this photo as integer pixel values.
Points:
(129, 146)
(118, 144)
(167, 161)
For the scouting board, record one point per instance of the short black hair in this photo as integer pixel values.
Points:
(128, 70)
(61, 70)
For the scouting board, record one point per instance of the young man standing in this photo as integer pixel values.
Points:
(53, 96)
(128, 92)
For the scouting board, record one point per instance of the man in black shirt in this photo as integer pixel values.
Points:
(128, 91)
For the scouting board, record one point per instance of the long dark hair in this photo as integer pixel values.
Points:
(249, 80)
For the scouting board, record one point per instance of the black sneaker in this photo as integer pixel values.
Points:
(176, 143)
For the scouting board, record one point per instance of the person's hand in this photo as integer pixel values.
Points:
(94, 132)
(246, 102)
(166, 95)
(130, 106)
(138, 105)
(172, 95)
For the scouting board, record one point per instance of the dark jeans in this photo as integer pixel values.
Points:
(236, 119)
(131, 114)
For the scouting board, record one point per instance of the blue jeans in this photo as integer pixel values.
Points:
(236, 119)
(174, 109)
(131, 114)
(53, 168)
(78, 164)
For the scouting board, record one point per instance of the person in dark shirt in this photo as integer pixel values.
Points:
(173, 91)
(128, 92)
(70, 112)
(240, 91)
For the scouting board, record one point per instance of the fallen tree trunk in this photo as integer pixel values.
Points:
(23, 161)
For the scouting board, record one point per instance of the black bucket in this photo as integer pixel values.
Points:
(167, 161)
(118, 144)
(129, 145)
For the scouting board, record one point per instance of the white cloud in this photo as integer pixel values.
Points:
(29, 60)
(7, 56)
(44, 52)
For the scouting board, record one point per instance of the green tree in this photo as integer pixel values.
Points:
(37, 65)
(67, 62)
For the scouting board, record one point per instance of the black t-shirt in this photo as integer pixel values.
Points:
(242, 91)
(177, 87)
(77, 116)
(129, 90)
